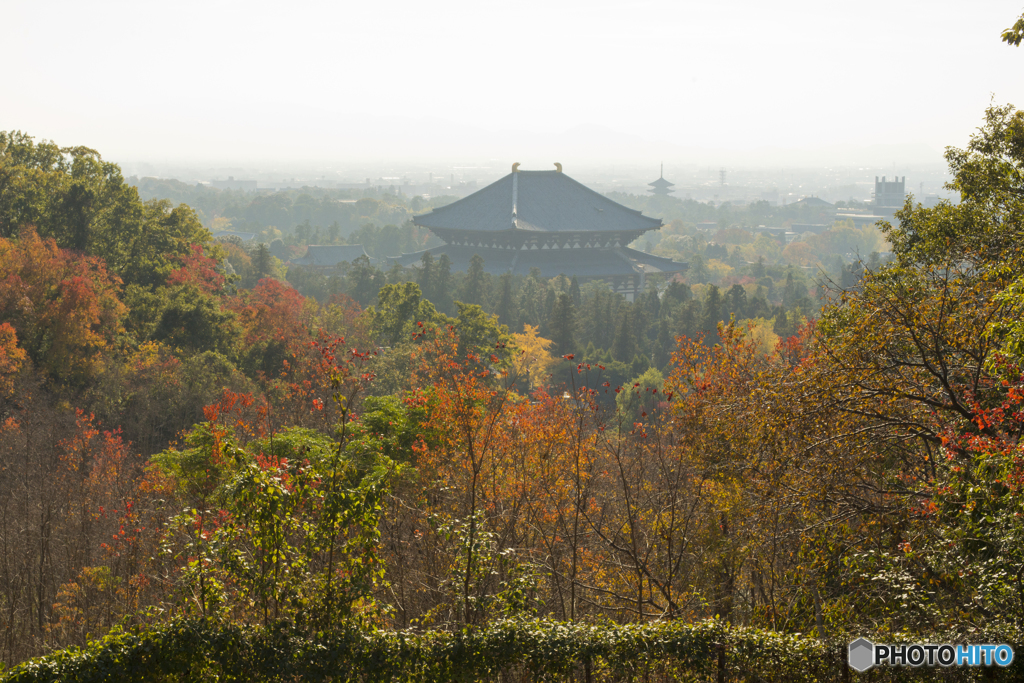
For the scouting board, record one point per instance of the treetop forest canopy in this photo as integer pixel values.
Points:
(212, 464)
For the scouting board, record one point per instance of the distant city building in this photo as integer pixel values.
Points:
(890, 194)
(816, 228)
(889, 197)
(266, 186)
(781, 234)
(326, 257)
(545, 220)
(232, 184)
(244, 236)
(859, 220)
(661, 186)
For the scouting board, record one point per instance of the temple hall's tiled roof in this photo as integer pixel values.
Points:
(330, 255)
(546, 201)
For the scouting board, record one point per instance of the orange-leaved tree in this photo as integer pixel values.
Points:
(63, 306)
(11, 359)
(465, 402)
(277, 321)
(197, 269)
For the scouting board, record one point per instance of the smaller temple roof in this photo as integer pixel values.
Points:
(650, 263)
(330, 254)
(541, 201)
(584, 263)
(814, 201)
(244, 236)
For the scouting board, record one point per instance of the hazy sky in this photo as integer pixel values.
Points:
(258, 81)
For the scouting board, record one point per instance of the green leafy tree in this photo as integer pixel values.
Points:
(574, 292)
(550, 299)
(758, 305)
(398, 311)
(736, 301)
(638, 398)
(676, 293)
(443, 285)
(688, 319)
(262, 261)
(296, 534)
(386, 427)
(426, 277)
(1015, 34)
(562, 324)
(698, 272)
(474, 287)
(395, 274)
(193, 321)
(758, 270)
(624, 347)
(921, 353)
(309, 282)
(83, 202)
(784, 325)
(530, 306)
(714, 310)
(507, 310)
(664, 345)
(650, 302)
(396, 307)
(481, 334)
(363, 281)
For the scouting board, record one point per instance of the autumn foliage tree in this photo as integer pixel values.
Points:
(74, 197)
(924, 354)
(464, 403)
(76, 529)
(11, 359)
(532, 360)
(64, 307)
(275, 319)
(199, 270)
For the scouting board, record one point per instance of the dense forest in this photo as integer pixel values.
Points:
(202, 445)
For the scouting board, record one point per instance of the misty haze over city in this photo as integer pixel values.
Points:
(342, 92)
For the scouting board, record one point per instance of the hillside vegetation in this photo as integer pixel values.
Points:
(217, 465)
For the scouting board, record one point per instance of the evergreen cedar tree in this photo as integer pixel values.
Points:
(313, 475)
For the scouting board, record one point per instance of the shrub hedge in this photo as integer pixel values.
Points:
(512, 650)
